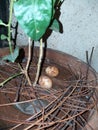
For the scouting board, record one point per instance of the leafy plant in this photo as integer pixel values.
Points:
(35, 17)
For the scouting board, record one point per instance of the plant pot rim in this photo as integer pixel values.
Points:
(62, 59)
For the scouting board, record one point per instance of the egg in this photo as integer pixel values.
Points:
(52, 71)
(45, 82)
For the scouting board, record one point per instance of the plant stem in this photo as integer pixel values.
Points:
(27, 77)
(29, 54)
(3, 24)
(39, 63)
(28, 62)
(9, 24)
(8, 79)
(25, 70)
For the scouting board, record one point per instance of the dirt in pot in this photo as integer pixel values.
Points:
(65, 106)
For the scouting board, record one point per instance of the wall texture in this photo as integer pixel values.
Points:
(80, 30)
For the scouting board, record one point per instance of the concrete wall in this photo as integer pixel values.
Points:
(80, 30)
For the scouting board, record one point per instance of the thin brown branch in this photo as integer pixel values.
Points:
(39, 62)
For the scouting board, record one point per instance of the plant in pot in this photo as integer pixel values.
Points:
(34, 17)
(48, 106)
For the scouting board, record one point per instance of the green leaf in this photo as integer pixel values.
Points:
(12, 57)
(34, 16)
(55, 26)
(54, 1)
(3, 37)
(1, 21)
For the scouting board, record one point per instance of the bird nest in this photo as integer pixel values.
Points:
(66, 106)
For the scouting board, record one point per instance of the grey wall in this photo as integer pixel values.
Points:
(80, 30)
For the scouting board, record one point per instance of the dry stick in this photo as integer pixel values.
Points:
(28, 62)
(45, 116)
(54, 122)
(14, 103)
(39, 63)
(51, 123)
(86, 122)
(70, 121)
(65, 114)
(65, 125)
(33, 116)
(88, 60)
(18, 91)
(51, 111)
(78, 122)
(25, 71)
(13, 121)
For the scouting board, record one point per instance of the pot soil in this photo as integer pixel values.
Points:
(66, 106)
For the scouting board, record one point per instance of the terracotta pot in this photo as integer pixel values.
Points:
(70, 68)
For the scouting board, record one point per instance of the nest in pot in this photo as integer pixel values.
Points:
(65, 106)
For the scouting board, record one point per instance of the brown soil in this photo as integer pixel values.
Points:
(72, 93)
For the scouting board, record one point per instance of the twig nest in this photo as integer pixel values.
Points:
(52, 71)
(45, 82)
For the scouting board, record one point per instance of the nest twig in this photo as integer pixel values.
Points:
(69, 104)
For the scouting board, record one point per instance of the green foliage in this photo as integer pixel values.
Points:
(12, 57)
(3, 24)
(3, 37)
(34, 16)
